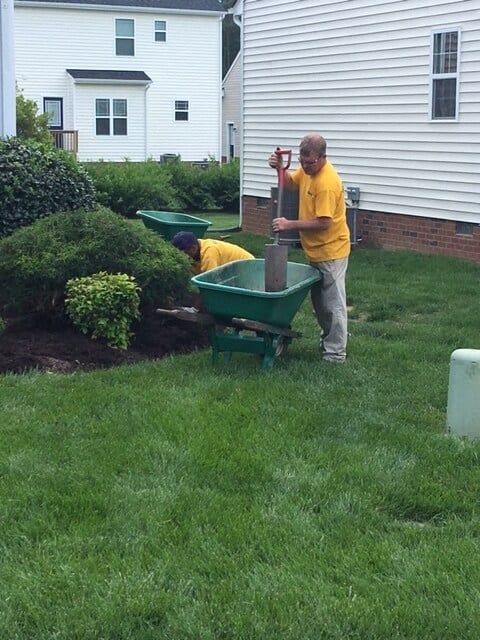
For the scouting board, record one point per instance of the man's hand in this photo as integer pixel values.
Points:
(281, 224)
(275, 161)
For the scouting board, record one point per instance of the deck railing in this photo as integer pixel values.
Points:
(66, 140)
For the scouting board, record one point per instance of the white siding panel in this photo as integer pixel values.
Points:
(185, 67)
(358, 71)
(118, 148)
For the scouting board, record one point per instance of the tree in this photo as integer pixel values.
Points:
(231, 38)
(30, 125)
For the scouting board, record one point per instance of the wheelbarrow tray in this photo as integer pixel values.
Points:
(168, 223)
(237, 289)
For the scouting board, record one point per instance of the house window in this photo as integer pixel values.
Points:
(445, 66)
(54, 107)
(124, 37)
(181, 109)
(464, 229)
(111, 117)
(160, 31)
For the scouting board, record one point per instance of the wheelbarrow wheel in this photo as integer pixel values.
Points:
(282, 346)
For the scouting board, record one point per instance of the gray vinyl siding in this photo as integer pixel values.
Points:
(358, 72)
(232, 104)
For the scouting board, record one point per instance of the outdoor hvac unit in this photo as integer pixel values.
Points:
(290, 211)
(169, 157)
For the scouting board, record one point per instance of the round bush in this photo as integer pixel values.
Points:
(36, 180)
(37, 261)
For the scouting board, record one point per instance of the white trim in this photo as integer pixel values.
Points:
(140, 83)
(220, 97)
(8, 126)
(145, 128)
(155, 31)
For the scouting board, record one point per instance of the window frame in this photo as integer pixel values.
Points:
(179, 109)
(163, 31)
(113, 119)
(57, 125)
(123, 38)
(440, 76)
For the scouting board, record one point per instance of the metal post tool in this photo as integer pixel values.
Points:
(276, 255)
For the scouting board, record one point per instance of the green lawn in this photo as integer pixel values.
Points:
(220, 220)
(177, 501)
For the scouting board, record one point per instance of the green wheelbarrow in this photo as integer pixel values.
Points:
(168, 223)
(241, 316)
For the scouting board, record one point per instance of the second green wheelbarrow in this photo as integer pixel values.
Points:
(168, 223)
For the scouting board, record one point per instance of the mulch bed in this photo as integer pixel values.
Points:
(27, 345)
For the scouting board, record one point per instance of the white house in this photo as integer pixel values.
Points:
(394, 87)
(136, 79)
(232, 110)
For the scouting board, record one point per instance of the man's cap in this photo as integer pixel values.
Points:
(183, 240)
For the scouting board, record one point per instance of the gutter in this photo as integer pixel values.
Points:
(237, 13)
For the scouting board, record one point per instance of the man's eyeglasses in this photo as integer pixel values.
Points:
(309, 163)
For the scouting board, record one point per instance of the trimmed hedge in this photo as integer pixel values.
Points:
(36, 180)
(37, 261)
(126, 187)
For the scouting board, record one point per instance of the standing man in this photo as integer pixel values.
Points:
(325, 238)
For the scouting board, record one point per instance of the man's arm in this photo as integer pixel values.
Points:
(313, 224)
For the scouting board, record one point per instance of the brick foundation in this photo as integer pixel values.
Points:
(385, 230)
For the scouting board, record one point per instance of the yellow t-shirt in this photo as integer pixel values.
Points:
(321, 195)
(215, 253)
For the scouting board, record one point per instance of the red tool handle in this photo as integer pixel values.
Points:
(281, 171)
(285, 164)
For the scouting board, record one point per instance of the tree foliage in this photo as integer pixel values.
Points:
(36, 179)
(231, 38)
(31, 125)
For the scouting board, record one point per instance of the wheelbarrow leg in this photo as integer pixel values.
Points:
(215, 333)
(270, 350)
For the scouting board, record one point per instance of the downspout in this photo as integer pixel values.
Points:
(145, 119)
(220, 102)
(237, 12)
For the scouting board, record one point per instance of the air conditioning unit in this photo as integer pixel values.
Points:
(290, 211)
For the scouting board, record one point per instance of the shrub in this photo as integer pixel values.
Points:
(37, 180)
(2, 326)
(37, 261)
(191, 186)
(126, 187)
(104, 306)
(30, 125)
(223, 182)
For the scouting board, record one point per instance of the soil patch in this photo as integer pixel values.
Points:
(27, 345)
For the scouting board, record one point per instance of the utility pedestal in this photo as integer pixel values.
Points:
(463, 410)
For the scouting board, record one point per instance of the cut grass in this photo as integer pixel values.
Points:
(176, 500)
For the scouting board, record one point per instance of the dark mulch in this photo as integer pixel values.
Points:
(28, 345)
